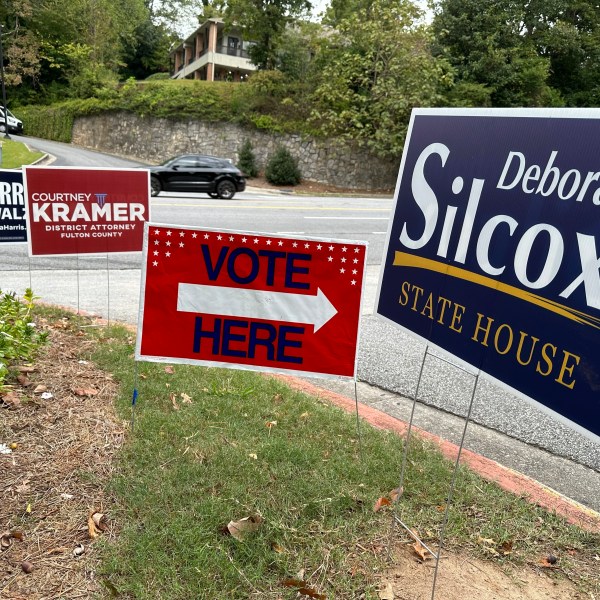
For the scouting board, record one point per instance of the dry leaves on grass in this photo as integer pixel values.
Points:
(240, 529)
(62, 460)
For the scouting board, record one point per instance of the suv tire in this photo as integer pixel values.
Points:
(226, 189)
(155, 187)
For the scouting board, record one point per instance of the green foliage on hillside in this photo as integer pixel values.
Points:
(267, 104)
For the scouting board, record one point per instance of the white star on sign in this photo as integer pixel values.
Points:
(354, 271)
(182, 234)
(269, 242)
(231, 238)
(219, 237)
(167, 254)
(307, 245)
(206, 236)
(167, 243)
(156, 242)
(169, 232)
(181, 244)
(244, 240)
(194, 235)
(356, 250)
(156, 231)
(342, 270)
(295, 244)
(330, 258)
(280, 243)
(331, 248)
(155, 263)
(344, 249)
(353, 282)
(355, 260)
(319, 246)
(343, 259)
(156, 253)
(256, 240)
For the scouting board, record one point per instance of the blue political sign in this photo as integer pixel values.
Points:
(13, 226)
(493, 251)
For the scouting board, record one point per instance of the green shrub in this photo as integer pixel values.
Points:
(282, 168)
(247, 160)
(19, 338)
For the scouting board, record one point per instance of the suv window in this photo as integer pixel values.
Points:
(186, 162)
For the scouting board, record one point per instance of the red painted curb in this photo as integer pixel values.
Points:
(510, 480)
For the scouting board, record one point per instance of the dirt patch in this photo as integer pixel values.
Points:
(467, 578)
(55, 475)
(316, 188)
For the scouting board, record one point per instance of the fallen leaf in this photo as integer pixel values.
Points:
(305, 415)
(277, 398)
(185, 398)
(173, 399)
(4, 449)
(96, 524)
(507, 547)
(270, 424)
(5, 540)
(486, 541)
(78, 550)
(169, 370)
(67, 496)
(85, 392)
(277, 548)
(143, 376)
(26, 369)
(23, 380)
(253, 456)
(100, 521)
(17, 535)
(381, 502)
(28, 509)
(303, 588)
(11, 400)
(421, 551)
(395, 494)
(387, 593)
(238, 529)
(46, 395)
(58, 550)
(40, 388)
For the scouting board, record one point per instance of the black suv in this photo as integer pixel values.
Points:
(214, 176)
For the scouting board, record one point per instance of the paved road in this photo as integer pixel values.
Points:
(111, 287)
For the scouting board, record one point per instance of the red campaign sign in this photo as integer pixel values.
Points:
(257, 301)
(85, 211)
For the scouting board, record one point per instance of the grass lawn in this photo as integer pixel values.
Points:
(211, 446)
(16, 154)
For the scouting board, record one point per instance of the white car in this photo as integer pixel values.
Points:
(14, 124)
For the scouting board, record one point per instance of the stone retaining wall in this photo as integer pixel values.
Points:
(154, 140)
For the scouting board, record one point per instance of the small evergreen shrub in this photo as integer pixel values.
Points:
(282, 168)
(247, 159)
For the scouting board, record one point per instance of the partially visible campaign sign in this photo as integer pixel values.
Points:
(493, 251)
(85, 210)
(247, 300)
(13, 226)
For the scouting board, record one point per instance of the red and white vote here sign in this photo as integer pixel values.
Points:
(253, 301)
(85, 211)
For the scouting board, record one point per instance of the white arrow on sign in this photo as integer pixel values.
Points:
(255, 304)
